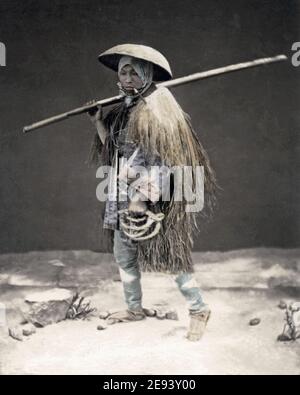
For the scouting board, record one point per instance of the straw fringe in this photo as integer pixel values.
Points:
(161, 127)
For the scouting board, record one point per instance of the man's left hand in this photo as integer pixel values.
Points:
(138, 206)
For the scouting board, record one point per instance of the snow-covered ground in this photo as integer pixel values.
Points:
(239, 285)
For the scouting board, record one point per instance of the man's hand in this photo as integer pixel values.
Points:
(137, 206)
(96, 113)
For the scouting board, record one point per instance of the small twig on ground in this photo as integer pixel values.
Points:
(79, 310)
(290, 330)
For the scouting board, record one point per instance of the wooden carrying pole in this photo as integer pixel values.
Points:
(169, 84)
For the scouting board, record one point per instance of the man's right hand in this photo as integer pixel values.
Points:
(96, 113)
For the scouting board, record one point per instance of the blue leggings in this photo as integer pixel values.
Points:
(125, 253)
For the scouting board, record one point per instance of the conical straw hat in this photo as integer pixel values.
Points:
(162, 70)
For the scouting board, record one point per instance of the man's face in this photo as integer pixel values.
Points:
(129, 79)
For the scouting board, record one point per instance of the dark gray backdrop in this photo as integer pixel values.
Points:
(248, 121)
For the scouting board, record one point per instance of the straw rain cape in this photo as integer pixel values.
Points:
(160, 127)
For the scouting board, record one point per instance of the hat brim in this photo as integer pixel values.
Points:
(161, 67)
(112, 61)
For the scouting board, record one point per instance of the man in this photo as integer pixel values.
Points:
(148, 129)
